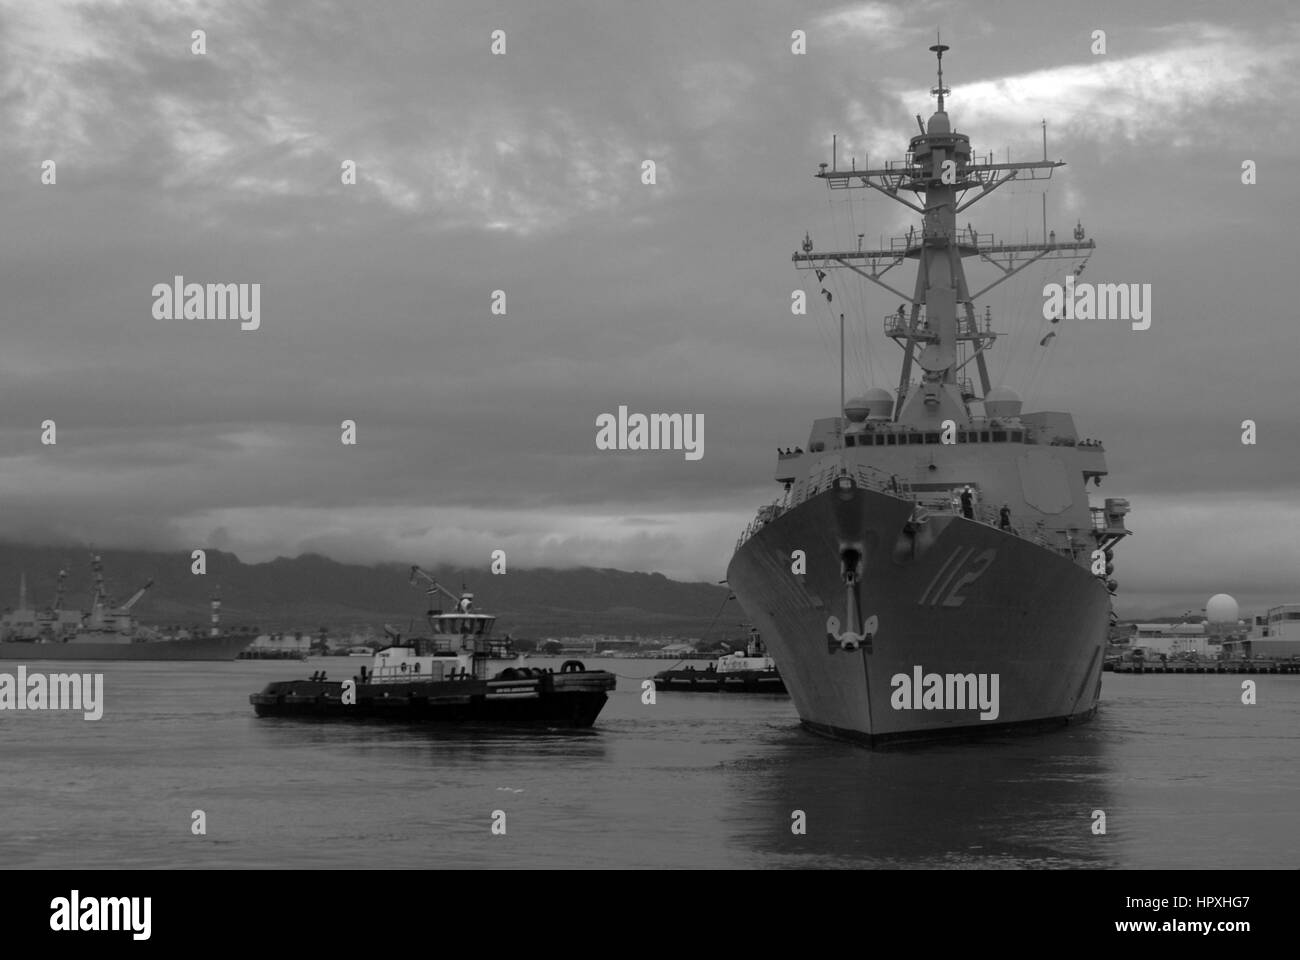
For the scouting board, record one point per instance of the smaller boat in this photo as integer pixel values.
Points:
(752, 671)
(446, 677)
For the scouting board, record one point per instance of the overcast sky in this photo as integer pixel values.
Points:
(522, 173)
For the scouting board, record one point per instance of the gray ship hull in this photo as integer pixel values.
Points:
(962, 609)
(195, 648)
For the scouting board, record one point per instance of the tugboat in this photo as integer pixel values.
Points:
(936, 566)
(445, 678)
(751, 671)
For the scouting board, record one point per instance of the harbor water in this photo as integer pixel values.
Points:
(1186, 775)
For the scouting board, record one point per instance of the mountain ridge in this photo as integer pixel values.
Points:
(311, 590)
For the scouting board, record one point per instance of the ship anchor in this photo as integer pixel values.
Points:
(853, 637)
(849, 641)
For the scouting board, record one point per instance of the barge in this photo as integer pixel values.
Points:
(750, 671)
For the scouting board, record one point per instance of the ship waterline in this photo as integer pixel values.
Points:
(219, 648)
(977, 601)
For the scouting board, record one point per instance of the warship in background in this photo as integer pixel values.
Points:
(108, 632)
(935, 566)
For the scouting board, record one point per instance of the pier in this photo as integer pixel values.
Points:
(1205, 666)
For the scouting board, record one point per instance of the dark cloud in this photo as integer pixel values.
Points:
(522, 173)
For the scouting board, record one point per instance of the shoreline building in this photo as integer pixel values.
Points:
(1173, 639)
(1276, 635)
(278, 646)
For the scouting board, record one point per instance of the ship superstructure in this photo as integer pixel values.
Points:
(108, 622)
(464, 627)
(935, 565)
(52, 623)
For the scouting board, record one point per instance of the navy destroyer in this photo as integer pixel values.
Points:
(935, 566)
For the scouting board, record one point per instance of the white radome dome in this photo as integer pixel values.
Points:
(878, 403)
(1002, 402)
(1222, 608)
(856, 409)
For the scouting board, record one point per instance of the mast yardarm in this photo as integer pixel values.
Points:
(936, 327)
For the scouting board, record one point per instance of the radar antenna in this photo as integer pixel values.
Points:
(941, 334)
(938, 49)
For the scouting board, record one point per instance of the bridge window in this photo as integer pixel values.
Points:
(999, 436)
(880, 439)
(891, 440)
(1017, 436)
(961, 436)
(915, 438)
(984, 436)
(932, 438)
(850, 441)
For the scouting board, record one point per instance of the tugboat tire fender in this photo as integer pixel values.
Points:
(572, 666)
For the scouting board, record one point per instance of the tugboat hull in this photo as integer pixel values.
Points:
(711, 681)
(536, 698)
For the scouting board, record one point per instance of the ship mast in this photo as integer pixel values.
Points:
(102, 601)
(939, 170)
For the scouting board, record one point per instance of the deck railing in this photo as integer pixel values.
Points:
(873, 479)
(807, 488)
